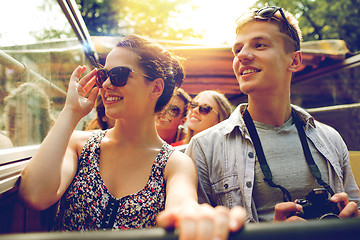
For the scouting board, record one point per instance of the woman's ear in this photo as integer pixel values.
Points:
(296, 61)
(158, 87)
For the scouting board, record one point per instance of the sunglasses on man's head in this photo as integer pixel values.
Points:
(118, 76)
(203, 108)
(269, 12)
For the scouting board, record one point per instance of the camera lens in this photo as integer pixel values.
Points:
(329, 216)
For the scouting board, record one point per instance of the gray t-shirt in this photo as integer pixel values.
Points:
(285, 157)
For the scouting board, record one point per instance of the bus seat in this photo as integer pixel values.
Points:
(355, 165)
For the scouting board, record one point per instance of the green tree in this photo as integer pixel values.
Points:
(49, 31)
(324, 19)
(101, 16)
(121, 17)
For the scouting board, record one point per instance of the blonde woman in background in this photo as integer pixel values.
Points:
(27, 114)
(207, 109)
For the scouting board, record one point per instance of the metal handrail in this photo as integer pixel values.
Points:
(333, 229)
(77, 23)
(7, 60)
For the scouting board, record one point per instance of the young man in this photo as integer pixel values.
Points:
(256, 159)
(169, 122)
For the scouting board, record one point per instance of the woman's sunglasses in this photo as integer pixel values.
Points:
(269, 12)
(173, 111)
(118, 76)
(203, 108)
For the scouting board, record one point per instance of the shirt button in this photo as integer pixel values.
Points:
(226, 186)
(248, 184)
(251, 154)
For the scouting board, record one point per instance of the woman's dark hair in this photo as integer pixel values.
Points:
(157, 62)
(179, 92)
(100, 112)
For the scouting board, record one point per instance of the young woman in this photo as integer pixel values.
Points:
(169, 122)
(27, 114)
(125, 176)
(207, 109)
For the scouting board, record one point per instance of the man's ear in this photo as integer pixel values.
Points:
(158, 87)
(296, 61)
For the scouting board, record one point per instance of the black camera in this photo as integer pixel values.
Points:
(318, 206)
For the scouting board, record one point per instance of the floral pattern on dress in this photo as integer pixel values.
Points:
(88, 205)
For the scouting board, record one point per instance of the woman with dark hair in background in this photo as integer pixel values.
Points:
(170, 121)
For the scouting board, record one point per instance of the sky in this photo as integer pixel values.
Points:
(29, 19)
(216, 18)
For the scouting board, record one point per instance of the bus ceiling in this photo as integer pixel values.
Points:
(206, 67)
(209, 67)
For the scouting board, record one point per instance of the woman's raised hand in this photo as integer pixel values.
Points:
(81, 95)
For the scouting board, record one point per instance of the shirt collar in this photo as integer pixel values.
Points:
(304, 116)
(236, 121)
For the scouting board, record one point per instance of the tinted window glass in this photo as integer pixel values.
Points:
(333, 99)
(336, 88)
(38, 52)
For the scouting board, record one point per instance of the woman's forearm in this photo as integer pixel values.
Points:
(49, 168)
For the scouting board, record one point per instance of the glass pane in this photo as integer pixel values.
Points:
(334, 99)
(336, 88)
(38, 52)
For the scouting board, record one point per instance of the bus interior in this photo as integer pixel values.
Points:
(34, 77)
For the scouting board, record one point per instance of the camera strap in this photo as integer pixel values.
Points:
(308, 156)
(262, 160)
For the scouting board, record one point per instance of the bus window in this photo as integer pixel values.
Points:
(37, 57)
(330, 89)
(38, 52)
(333, 97)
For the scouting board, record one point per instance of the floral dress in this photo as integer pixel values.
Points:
(88, 205)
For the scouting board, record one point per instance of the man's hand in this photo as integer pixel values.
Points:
(286, 211)
(347, 209)
(203, 222)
